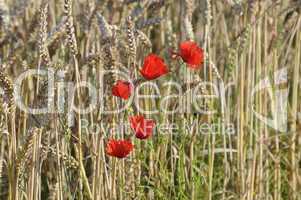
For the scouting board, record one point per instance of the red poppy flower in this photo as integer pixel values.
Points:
(153, 67)
(143, 127)
(122, 89)
(119, 148)
(192, 54)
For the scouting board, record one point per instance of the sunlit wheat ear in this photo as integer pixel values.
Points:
(24, 153)
(238, 46)
(131, 38)
(44, 97)
(93, 59)
(70, 27)
(68, 160)
(57, 32)
(187, 19)
(232, 55)
(244, 38)
(45, 145)
(66, 129)
(43, 50)
(94, 12)
(142, 37)
(109, 51)
(171, 38)
(109, 61)
(8, 88)
(104, 28)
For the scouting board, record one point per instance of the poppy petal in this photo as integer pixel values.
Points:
(143, 128)
(119, 148)
(191, 54)
(122, 89)
(153, 67)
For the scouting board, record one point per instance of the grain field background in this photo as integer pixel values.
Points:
(235, 129)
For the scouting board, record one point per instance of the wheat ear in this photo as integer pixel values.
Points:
(70, 27)
(131, 38)
(43, 51)
(8, 88)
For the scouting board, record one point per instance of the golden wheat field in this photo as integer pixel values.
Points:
(150, 99)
